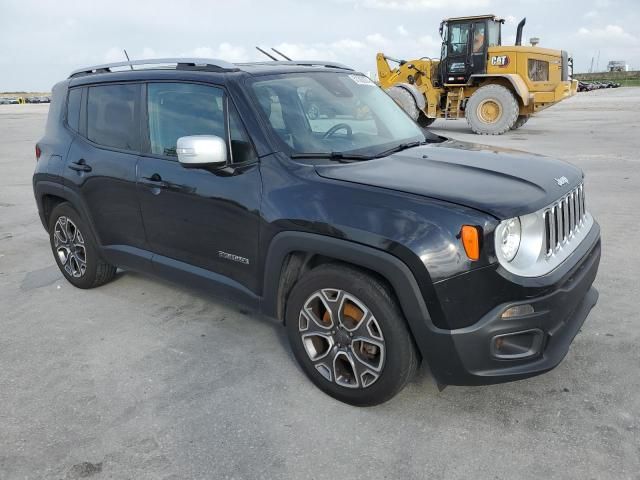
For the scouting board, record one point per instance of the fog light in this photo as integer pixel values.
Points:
(518, 311)
(518, 345)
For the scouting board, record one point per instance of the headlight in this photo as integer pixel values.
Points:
(508, 236)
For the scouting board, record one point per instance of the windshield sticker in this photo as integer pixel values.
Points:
(362, 80)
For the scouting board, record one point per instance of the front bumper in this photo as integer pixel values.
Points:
(557, 317)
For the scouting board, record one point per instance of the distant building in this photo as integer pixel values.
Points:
(617, 66)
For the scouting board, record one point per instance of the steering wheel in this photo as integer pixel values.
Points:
(336, 127)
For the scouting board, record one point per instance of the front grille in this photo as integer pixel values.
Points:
(563, 220)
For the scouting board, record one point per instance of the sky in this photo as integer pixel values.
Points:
(41, 42)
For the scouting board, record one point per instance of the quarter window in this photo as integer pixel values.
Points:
(112, 116)
(241, 148)
(73, 109)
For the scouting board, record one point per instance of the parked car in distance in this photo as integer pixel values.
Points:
(378, 244)
(37, 99)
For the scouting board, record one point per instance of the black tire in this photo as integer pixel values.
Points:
(95, 271)
(522, 119)
(395, 357)
(506, 110)
(424, 121)
(406, 101)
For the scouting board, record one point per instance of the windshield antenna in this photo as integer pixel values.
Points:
(127, 55)
(281, 54)
(267, 54)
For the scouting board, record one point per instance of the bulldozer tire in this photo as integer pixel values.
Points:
(522, 119)
(492, 110)
(404, 98)
(424, 121)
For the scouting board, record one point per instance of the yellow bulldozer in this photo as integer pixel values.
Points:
(495, 87)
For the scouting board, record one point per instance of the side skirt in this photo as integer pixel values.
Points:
(143, 261)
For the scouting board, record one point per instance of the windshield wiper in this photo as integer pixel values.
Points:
(334, 156)
(358, 157)
(402, 146)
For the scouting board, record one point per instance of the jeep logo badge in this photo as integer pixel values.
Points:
(562, 181)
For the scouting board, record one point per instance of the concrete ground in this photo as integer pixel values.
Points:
(145, 379)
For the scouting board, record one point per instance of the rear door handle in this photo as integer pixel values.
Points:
(80, 166)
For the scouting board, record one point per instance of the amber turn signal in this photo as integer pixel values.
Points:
(471, 240)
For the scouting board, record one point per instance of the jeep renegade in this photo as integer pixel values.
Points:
(378, 245)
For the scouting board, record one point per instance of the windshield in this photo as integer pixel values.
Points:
(333, 113)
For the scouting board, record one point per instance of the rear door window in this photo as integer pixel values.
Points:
(112, 116)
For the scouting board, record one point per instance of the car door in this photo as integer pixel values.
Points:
(101, 163)
(203, 217)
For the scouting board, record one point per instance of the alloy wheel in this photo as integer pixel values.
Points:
(70, 248)
(342, 338)
(489, 111)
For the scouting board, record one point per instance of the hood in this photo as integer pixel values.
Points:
(504, 183)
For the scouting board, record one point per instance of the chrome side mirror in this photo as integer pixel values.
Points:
(202, 150)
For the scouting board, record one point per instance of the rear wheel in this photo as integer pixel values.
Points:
(349, 335)
(522, 119)
(492, 110)
(75, 249)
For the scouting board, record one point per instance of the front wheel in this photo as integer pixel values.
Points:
(349, 335)
(492, 110)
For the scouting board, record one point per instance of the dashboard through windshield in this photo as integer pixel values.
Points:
(328, 113)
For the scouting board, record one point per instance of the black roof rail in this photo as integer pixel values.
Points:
(179, 63)
(302, 63)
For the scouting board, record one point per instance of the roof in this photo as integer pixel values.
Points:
(204, 64)
(475, 17)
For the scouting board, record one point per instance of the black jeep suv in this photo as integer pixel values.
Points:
(379, 245)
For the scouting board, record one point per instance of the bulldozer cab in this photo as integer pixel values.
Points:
(465, 41)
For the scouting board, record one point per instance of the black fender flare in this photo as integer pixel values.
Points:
(433, 342)
(45, 187)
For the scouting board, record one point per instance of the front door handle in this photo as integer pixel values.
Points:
(80, 166)
(154, 181)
